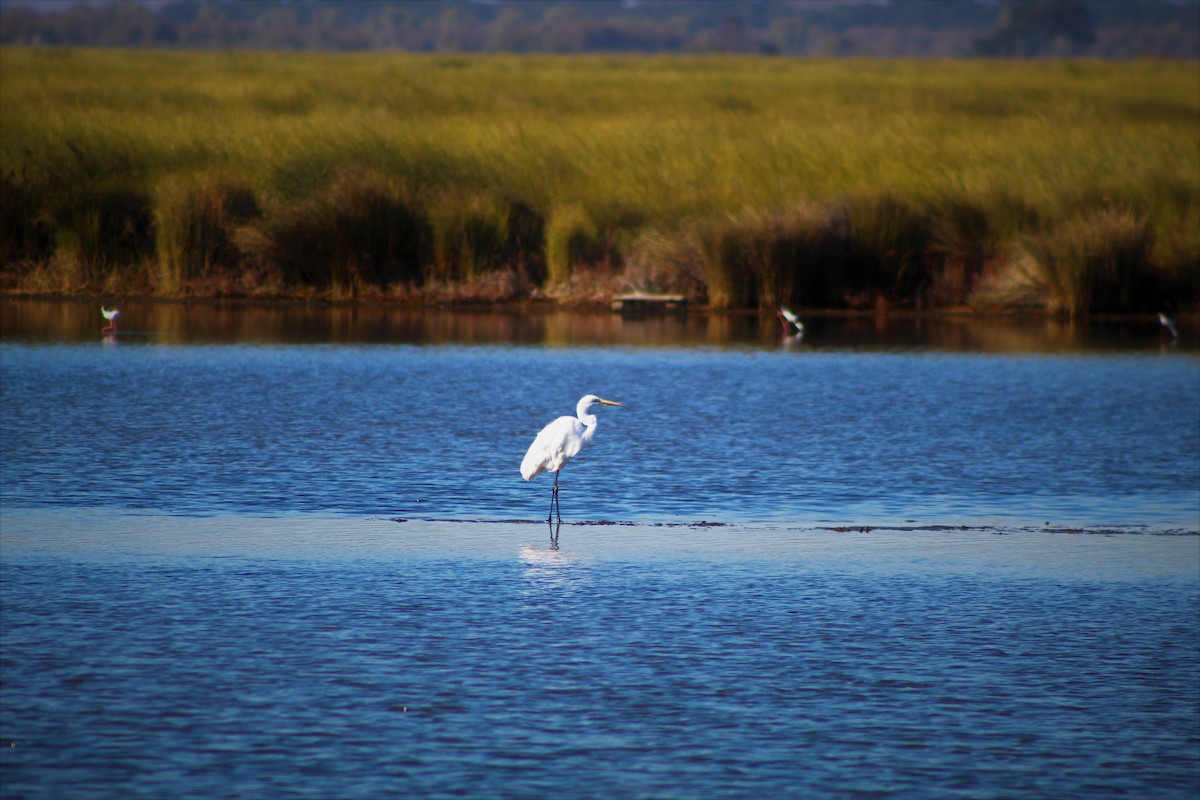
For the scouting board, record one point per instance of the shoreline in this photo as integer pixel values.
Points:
(549, 305)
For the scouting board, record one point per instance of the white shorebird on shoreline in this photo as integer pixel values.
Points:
(1169, 324)
(111, 315)
(786, 318)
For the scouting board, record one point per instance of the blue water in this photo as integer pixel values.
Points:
(719, 435)
(281, 569)
(330, 657)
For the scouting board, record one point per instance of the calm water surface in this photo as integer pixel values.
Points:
(756, 429)
(293, 556)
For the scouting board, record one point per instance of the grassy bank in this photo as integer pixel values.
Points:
(740, 181)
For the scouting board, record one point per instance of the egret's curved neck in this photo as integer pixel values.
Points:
(589, 420)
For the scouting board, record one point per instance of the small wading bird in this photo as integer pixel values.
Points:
(1168, 324)
(111, 315)
(786, 318)
(558, 443)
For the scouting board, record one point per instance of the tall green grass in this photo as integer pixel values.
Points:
(1097, 262)
(745, 181)
(361, 230)
(196, 220)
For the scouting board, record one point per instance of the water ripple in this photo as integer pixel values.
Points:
(828, 438)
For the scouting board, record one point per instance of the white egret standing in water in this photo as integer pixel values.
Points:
(111, 315)
(559, 442)
(786, 317)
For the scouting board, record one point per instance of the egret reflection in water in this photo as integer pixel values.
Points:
(549, 566)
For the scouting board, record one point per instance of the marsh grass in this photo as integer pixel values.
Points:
(475, 234)
(768, 258)
(747, 181)
(571, 238)
(195, 223)
(867, 252)
(361, 230)
(958, 250)
(468, 234)
(665, 263)
(1098, 262)
(26, 236)
(100, 233)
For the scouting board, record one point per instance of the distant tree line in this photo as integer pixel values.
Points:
(878, 28)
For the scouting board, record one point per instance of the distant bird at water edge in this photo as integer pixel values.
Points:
(111, 315)
(1168, 324)
(786, 318)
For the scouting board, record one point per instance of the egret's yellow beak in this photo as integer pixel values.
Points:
(609, 402)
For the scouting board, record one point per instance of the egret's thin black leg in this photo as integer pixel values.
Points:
(556, 504)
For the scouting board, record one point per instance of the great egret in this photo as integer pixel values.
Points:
(559, 442)
(111, 315)
(1169, 324)
(786, 317)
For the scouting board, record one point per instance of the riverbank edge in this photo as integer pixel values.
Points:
(544, 305)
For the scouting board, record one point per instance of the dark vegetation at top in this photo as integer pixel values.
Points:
(824, 28)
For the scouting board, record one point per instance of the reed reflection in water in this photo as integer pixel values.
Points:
(299, 323)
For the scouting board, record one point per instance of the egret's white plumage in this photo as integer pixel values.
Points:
(560, 441)
(111, 315)
(786, 317)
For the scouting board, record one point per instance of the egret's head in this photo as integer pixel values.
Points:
(590, 400)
